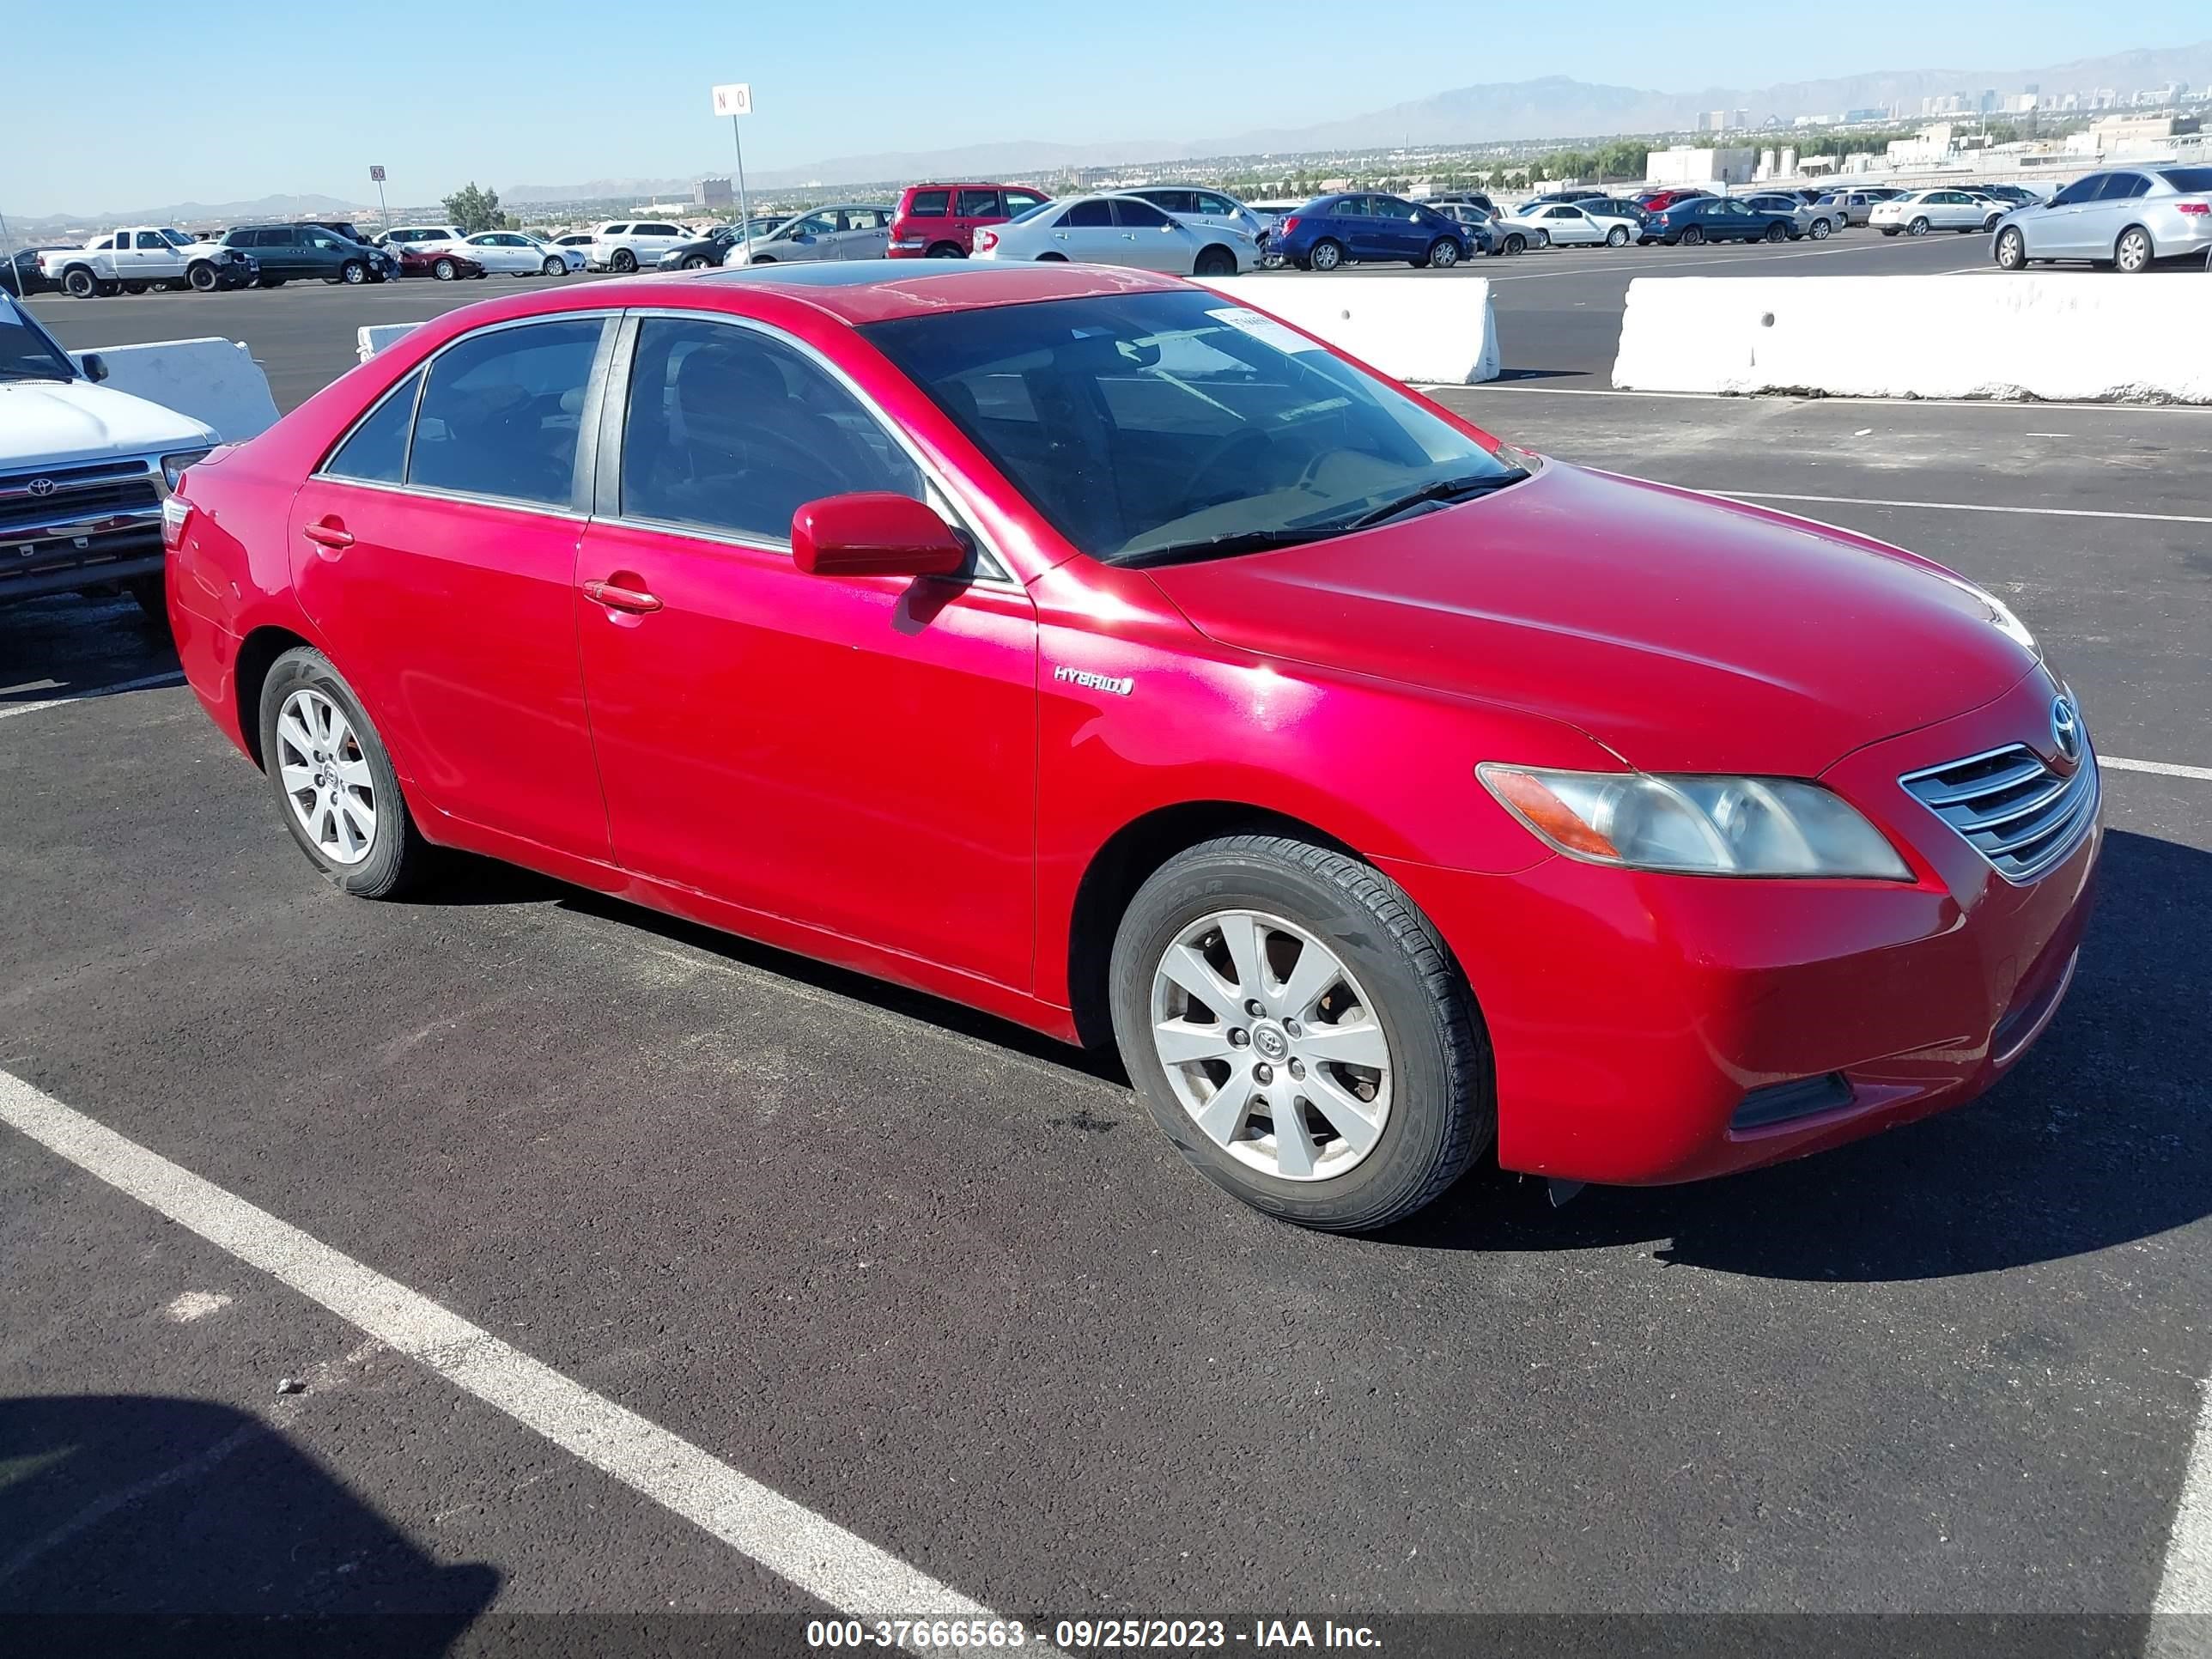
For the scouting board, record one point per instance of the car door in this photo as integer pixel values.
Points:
(2116, 207)
(435, 551)
(1085, 233)
(867, 233)
(1570, 227)
(854, 754)
(2056, 231)
(972, 208)
(277, 247)
(1152, 239)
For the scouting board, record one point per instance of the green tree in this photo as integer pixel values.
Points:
(474, 210)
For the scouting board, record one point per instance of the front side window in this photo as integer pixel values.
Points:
(814, 224)
(502, 411)
(1139, 215)
(731, 432)
(1167, 424)
(147, 238)
(376, 452)
(2081, 190)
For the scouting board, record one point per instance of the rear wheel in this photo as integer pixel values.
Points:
(1917, 228)
(947, 251)
(2011, 250)
(80, 284)
(624, 261)
(1215, 261)
(445, 270)
(1300, 1031)
(1052, 258)
(1443, 254)
(1693, 236)
(134, 287)
(1778, 232)
(1514, 242)
(334, 782)
(1326, 255)
(2132, 252)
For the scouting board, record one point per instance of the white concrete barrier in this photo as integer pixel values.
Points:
(213, 381)
(373, 338)
(2073, 337)
(1437, 330)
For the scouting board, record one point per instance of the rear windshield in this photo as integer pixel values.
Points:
(1161, 423)
(929, 204)
(2190, 180)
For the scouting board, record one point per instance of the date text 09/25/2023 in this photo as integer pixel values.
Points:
(1087, 1635)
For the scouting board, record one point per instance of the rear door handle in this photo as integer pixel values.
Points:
(616, 598)
(329, 535)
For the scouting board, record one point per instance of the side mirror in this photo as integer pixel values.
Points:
(95, 366)
(874, 533)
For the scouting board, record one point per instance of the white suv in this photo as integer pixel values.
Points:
(634, 244)
(415, 238)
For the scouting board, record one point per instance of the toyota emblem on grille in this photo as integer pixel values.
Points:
(2066, 728)
(40, 486)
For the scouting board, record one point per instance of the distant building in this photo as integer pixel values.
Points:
(1691, 164)
(1852, 117)
(713, 194)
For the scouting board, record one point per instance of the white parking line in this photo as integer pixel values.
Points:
(1960, 507)
(2163, 768)
(810, 1551)
(10, 710)
(2185, 1586)
(1753, 400)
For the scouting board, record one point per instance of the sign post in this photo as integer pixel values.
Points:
(376, 177)
(734, 101)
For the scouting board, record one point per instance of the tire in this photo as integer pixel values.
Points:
(1917, 228)
(2133, 252)
(695, 262)
(79, 283)
(445, 270)
(397, 855)
(203, 277)
(151, 595)
(1990, 223)
(1443, 254)
(2011, 251)
(947, 251)
(275, 281)
(1889, 230)
(134, 287)
(553, 268)
(1776, 233)
(1326, 255)
(1617, 237)
(1515, 243)
(1820, 229)
(1436, 1106)
(624, 261)
(1215, 261)
(1543, 239)
(1693, 236)
(1052, 258)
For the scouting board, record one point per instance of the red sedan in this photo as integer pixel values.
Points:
(444, 264)
(1072, 643)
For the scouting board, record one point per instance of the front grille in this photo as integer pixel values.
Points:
(2011, 808)
(21, 512)
(13, 484)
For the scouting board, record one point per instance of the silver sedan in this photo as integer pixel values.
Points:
(1118, 230)
(2126, 218)
(1818, 220)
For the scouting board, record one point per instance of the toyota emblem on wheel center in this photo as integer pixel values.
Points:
(2066, 727)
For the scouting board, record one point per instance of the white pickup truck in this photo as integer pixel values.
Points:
(85, 471)
(140, 257)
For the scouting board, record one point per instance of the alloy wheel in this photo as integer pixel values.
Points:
(1270, 1046)
(2133, 253)
(326, 776)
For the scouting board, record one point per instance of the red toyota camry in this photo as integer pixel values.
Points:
(1078, 645)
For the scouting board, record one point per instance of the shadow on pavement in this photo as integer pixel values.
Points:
(67, 644)
(135, 1524)
(2096, 1140)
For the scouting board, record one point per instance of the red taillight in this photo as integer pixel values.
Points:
(985, 239)
(2194, 209)
(1290, 224)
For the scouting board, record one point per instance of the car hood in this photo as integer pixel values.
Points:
(56, 422)
(1685, 633)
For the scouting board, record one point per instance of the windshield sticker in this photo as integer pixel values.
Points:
(1264, 329)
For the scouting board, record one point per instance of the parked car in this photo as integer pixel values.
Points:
(513, 254)
(1658, 201)
(701, 251)
(939, 221)
(1551, 197)
(1718, 219)
(2011, 195)
(1615, 206)
(19, 274)
(406, 236)
(1652, 871)
(848, 230)
(1565, 224)
(1117, 230)
(132, 260)
(444, 263)
(1474, 198)
(1919, 211)
(1209, 208)
(1811, 218)
(1331, 231)
(628, 244)
(286, 252)
(84, 470)
(1480, 227)
(1857, 206)
(2128, 218)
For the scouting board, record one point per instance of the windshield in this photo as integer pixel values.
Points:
(176, 239)
(1139, 423)
(27, 352)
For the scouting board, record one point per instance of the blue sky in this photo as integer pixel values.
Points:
(231, 102)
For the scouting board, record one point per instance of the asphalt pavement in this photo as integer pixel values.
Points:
(940, 1282)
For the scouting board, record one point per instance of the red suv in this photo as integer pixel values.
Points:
(939, 221)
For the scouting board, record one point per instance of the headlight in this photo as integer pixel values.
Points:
(172, 466)
(1696, 824)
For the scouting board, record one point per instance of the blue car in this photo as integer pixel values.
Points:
(1339, 230)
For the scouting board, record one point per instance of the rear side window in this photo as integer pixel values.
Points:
(1087, 215)
(2189, 181)
(658, 230)
(2123, 186)
(376, 452)
(615, 230)
(929, 204)
(731, 432)
(502, 411)
(976, 204)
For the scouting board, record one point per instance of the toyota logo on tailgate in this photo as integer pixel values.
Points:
(2066, 728)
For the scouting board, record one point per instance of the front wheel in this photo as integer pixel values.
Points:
(203, 277)
(353, 273)
(1326, 255)
(1444, 253)
(445, 270)
(1215, 261)
(624, 261)
(1820, 229)
(1917, 228)
(695, 262)
(2012, 251)
(334, 782)
(1617, 237)
(2132, 252)
(1299, 1030)
(552, 268)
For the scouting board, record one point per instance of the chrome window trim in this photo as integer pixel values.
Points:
(1002, 574)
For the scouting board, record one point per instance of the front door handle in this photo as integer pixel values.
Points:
(329, 535)
(616, 597)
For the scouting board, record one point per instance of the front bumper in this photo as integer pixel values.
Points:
(103, 525)
(1652, 1028)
